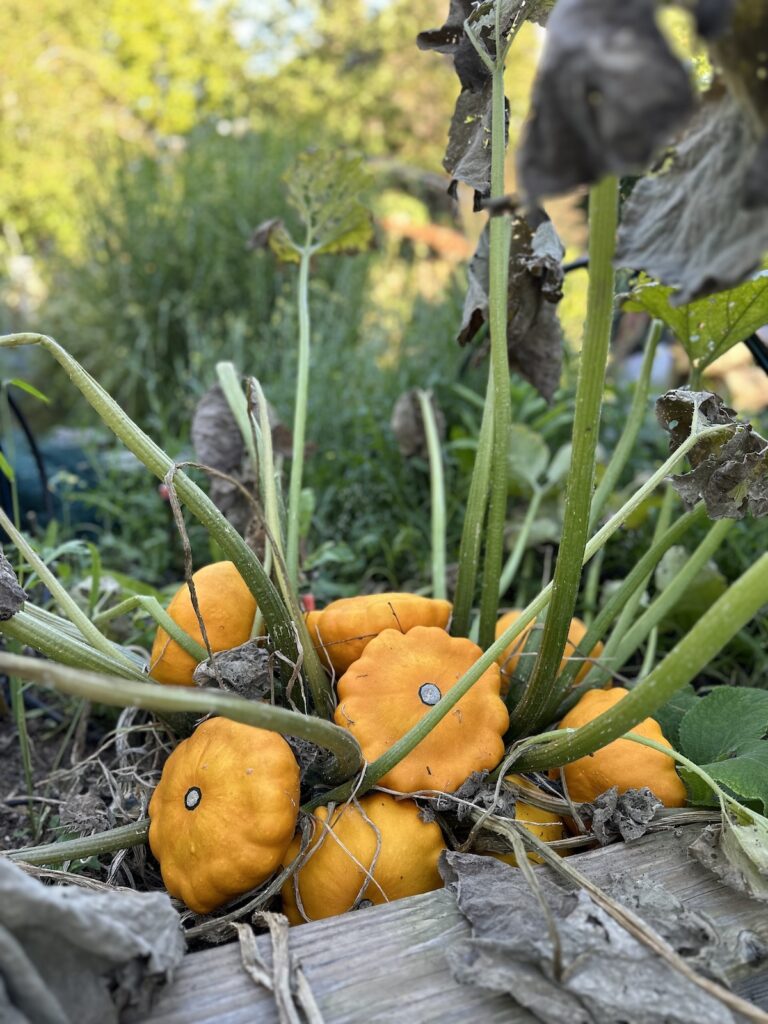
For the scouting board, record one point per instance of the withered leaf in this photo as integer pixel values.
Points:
(701, 223)
(534, 338)
(609, 92)
(245, 670)
(625, 817)
(12, 596)
(737, 855)
(511, 949)
(468, 156)
(729, 470)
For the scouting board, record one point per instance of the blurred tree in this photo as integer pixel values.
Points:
(76, 77)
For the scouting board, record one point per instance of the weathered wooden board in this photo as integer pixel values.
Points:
(387, 964)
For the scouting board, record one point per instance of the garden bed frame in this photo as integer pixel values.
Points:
(388, 963)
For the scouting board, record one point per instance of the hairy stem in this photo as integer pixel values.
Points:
(155, 697)
(437, 489)
(537, 695)
(299, 421)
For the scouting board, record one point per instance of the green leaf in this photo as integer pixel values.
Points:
(326, 190)
(6, 468)
(724, 724)
(707, 327)
(30, 389)
(746, 776)
(671, 714)
(706, 588)
(527, 459)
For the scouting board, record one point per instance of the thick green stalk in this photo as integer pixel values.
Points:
(474, 522)
(635, 581)
(155, 610)
(85, 846)
(603, 211)
(299, 420)
(437, 490)
(715, 628)
(626, 443)
(512, 564)
(60, 646)
(629, 611)
(66, 603)
(155, 459)
(168, 699)
(319, 684)
(498, 298)
(660, 607)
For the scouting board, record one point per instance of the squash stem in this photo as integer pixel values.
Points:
(299, 420)
(498, 298)
(730, 613)
(474, 522)
(155, 610)
(626, 442)
(102, 689)
(437, 489)
(528, 714)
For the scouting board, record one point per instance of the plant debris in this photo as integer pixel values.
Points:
(246, 670)
(594, 972)
(730, 470)
(534, 338)
(737, 855)
(69, 954)
(626, 816)
(696, 224)
(12, 596)
(609, 92)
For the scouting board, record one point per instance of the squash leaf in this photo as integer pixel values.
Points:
(730, 469)
(527, 460)
(737, 854)
(609, 92)
(701, 223)
(671, 714)
(707, 327)
(534, 338)
(326, 190)
(725, 734)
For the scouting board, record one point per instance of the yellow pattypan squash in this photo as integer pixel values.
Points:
(227, 607)
(621, 763)
(510, 658)
(331, 878)
(343, 629)
(545, 825)
(224, 812)
(397, 681)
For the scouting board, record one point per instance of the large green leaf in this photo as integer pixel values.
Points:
(707, 327)
(671, 714)
(744, 776)
(527, 459)
(724, 724)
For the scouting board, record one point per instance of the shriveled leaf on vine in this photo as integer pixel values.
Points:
(12, 596)
(327, 191)
(625, 816)
(695, 225)
(706, 328)
(730, 468)
(608, 94)
(737, 854)
(534, 338)
(273, 234)
(468, 156)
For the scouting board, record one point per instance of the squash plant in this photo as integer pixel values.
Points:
(425, 674)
